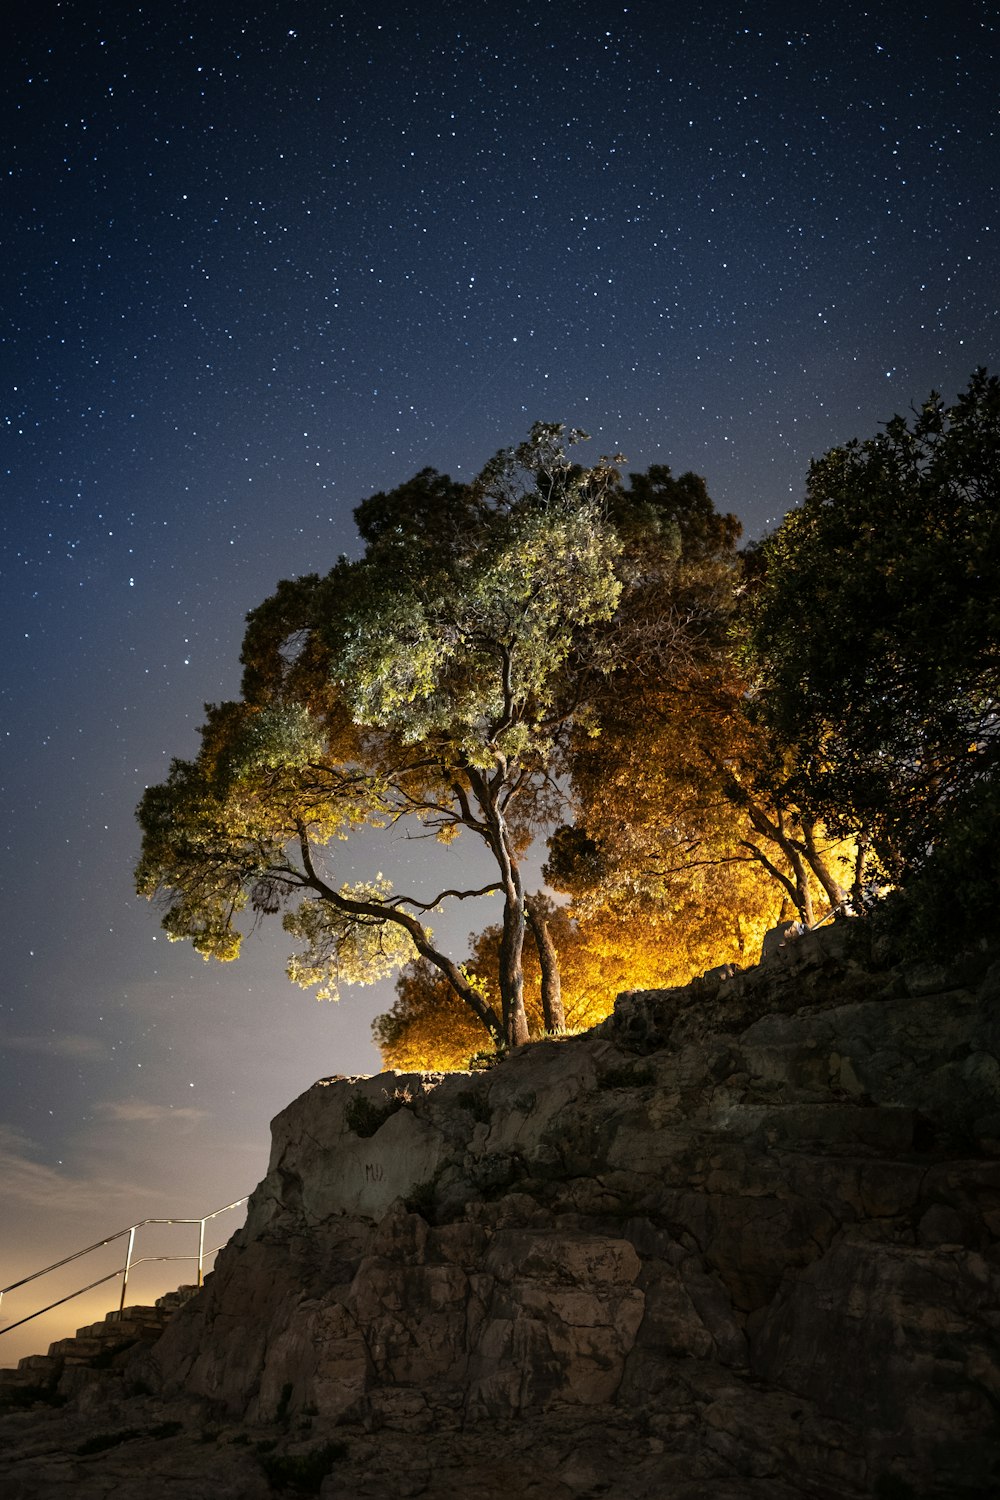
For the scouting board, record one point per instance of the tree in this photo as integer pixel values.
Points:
(666, 868)
(428, 1028)
(677, 801)
(873, 630)
(436, 682)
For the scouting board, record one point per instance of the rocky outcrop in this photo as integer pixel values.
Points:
(740, 1240)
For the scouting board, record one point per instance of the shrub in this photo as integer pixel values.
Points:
(364, 1117)
(302, 1472)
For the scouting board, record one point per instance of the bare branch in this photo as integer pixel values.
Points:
(486, 890)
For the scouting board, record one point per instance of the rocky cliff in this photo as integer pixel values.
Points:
(739, 1241)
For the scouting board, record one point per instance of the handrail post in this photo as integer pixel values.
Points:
(125, 1268)
(123, 1271)
(201, 1250)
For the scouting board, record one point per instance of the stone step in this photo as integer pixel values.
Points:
(173, 1300)
(17, 1379)
(94, 1331)
(130, 1318)
(92, 1346)
(39, 1364)
(136, 1320)
(97, 1338)
(77, 1347)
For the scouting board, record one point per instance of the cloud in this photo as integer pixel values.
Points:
(57, 1044)
(27, 1183)
(142, 1112)
(64, 1227)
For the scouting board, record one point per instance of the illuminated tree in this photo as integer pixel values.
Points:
(670, 821)
(435, 681)
(427, 1027)
(680, 859)
(680, 800)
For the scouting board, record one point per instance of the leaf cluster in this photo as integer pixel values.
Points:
(873, 625)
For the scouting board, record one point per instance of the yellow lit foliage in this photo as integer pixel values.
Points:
(678, 822)
(428, 1028)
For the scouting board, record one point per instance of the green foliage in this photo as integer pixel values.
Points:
(874, 622)
(342, 948)
(676, 821)
(435, 681)
(365, 1118)
(678, 513)
(949, 904)
(478, 664)
(422, 1200)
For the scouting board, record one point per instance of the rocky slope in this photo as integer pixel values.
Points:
(739, 1241)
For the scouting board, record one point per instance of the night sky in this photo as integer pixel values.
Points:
(261, 262)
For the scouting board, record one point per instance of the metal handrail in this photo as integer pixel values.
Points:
(130, 1261)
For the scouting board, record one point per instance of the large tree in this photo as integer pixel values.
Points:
(437, 680)
(679, 803)
(874, 630)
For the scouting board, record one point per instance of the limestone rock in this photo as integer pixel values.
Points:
(741, 1241)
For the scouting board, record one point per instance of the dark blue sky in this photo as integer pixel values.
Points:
(259, 262)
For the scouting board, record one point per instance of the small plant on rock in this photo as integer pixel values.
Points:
(364, 1117)
(481, 1062)
(421, 1200)
(302, 1472)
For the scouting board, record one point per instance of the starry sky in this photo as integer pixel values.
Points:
(261, 261)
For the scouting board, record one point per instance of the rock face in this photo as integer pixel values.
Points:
(740, 1240)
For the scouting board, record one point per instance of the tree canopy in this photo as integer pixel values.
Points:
(675, 802)
(707, 739)
(873, 639)
(436, 680)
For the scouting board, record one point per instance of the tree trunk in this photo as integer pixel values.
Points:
(835, 893)
(796, 885)
(515, 1022)
(858, 883)
(463, 989)
(553, 1013)
(497, 836)
(803, 898)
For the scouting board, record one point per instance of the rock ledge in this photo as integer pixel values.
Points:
(741, 1241)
